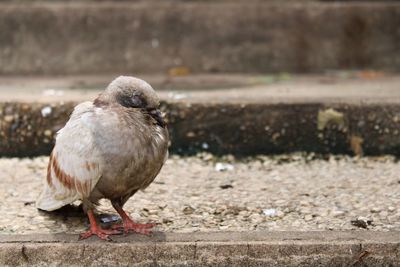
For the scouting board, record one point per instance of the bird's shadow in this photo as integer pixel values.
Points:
(76, 212)
(65, 212)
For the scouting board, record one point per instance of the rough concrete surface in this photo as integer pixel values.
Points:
(358, 114)
(201, 36)
(204, 193)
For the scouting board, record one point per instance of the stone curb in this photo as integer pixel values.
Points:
(28, 129)
(207, 249)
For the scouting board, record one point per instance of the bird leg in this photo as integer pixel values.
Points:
(97, 230)
(128, 225)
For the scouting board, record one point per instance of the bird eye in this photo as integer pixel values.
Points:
(135, 101)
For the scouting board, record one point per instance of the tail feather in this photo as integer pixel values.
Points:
(47, 200)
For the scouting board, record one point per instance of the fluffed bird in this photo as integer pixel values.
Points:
(110, 148)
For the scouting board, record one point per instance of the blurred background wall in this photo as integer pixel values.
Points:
(204, 36)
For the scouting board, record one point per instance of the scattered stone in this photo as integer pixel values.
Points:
(48, 132)
(361, 222)
(220, 167)
(375, 210)
(8, 118)
(337, 213)
(226, 185)
(391, 209)
(28, 203)
(46, 111)
(188, 210)
(270, 212)
(308, 218)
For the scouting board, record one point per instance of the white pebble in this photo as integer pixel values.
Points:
(270, 212)
(220, 167)
(46, 111)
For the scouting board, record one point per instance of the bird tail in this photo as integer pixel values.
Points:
(48, 201)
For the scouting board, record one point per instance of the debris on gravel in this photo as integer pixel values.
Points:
(361, 222)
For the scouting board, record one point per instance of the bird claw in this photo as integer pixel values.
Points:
(103, 234)
(139, 228)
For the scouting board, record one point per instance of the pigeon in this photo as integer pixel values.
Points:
(110, 148)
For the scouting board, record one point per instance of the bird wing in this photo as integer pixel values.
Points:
(75, 165)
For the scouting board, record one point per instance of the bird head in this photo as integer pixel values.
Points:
(132, 92)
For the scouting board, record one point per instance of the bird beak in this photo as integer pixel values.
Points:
(156, 114)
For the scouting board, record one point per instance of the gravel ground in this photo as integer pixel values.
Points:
(203, 193)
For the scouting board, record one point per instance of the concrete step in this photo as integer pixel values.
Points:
(199, 36)
(207, 249)
(263, 115)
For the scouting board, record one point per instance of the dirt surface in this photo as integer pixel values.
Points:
(204, 193)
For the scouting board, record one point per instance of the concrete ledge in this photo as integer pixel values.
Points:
(241, 114)
(207, 249)
(204, 36)
(221, 128)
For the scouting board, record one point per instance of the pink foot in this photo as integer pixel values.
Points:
(97, 230)
(129, 226)
(101, 233)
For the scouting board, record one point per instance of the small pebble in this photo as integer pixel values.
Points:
(46, 111)
(362, 222)
(308, 217)
(270, 212)
(375, 210)
(226, 185)
(220, 167)
(188, 210)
